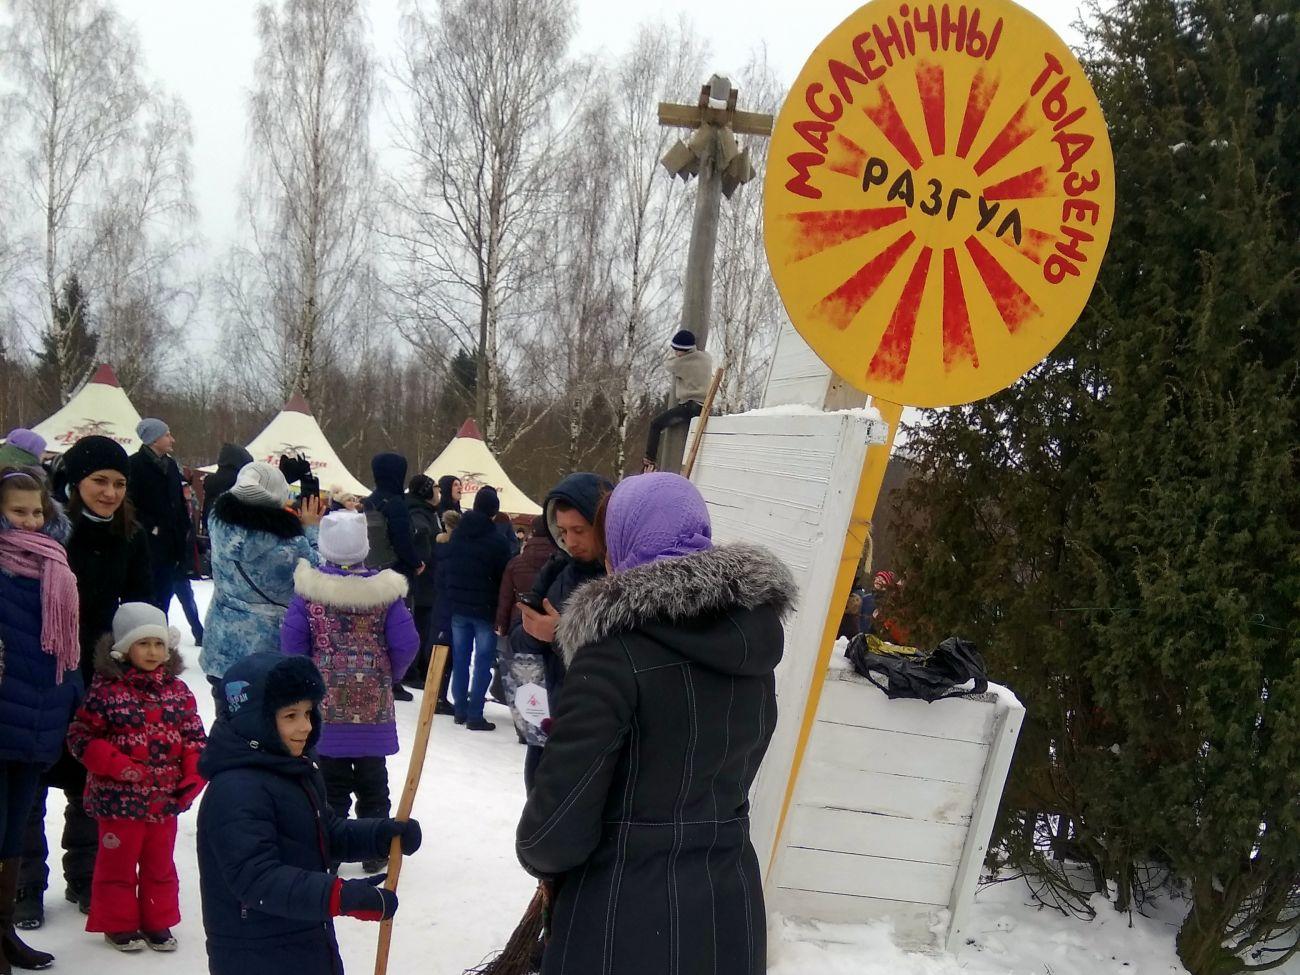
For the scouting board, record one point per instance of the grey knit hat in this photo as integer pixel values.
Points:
(261, 484)
(150, 429)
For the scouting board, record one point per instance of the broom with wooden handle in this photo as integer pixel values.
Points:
(704, 421)
(432, 681)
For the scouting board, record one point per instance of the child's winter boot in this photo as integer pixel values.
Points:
(126, 941)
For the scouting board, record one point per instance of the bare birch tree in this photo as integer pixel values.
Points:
(140, 237)
(484, 80)
(651, 209)
(300, 281)
(77, 96)
(580, 312)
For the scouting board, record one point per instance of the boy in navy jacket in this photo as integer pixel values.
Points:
(267, 837)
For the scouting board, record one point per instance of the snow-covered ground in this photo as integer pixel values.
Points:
(462, 894)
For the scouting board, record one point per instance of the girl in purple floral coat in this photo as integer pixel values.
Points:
(353, 624)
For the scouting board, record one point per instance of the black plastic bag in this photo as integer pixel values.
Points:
(931, 677)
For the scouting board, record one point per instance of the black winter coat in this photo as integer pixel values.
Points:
(640, 807)
(475, 560)
(266, 837)
(424, 530)
(155, 490)
(388, 499)
(229, 461)
(111, 569)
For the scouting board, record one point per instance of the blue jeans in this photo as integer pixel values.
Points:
(471, 639)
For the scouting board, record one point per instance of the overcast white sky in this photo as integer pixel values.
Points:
(203, 51)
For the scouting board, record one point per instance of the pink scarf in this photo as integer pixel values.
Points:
(32, 555)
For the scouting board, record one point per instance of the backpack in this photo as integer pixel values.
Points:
(928, 677)
(382, 554)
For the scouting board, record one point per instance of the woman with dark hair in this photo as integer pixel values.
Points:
(448, 494)
(108, 554)
(639, 815)
(422, 503)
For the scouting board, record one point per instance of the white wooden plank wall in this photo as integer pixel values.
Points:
(891, 816)
(787, 482)
(797, 374)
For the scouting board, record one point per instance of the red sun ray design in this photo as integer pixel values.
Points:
(891, 125)
(889, 364)
(982, 90)
(842, 305)
(1014, 304)
(1016, 131)
(818, 230)
(1034, 246)
(1022, 186)
(846, 157)
(929, 85)
(958, 341)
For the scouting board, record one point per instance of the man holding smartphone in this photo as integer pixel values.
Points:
(570, 511)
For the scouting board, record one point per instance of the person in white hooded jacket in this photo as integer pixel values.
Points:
(692, 370)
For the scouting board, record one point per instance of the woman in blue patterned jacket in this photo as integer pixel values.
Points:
(256, 544)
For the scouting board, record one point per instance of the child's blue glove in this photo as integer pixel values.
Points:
(408, 831)
(364, 899)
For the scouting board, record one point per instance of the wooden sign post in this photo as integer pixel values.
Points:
(938, 200)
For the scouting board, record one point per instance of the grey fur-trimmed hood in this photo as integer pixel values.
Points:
(726, 577)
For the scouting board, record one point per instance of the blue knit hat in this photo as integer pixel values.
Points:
(684, 341)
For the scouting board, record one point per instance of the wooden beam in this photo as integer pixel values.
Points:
(692, 117)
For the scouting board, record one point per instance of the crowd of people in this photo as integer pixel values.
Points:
(636, 657)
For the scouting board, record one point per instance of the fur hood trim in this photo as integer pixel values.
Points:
(349, 592)
(739, 576)
(255, 518)
(106, 666)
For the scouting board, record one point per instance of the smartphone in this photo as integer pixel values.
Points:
(308, 486)
(531, 600)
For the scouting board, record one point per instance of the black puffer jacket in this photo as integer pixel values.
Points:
(229, 461)
(267, 835)
(424, 530)
(155, 490)
(640, 806)
(388, 499)
(475, 561)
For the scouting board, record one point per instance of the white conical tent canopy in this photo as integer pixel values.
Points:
(295, 431)
(100, 407)
(468, 458)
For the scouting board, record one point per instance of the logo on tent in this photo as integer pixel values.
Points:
(90, 428)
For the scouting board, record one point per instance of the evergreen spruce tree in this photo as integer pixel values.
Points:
(1120, 529)
(67, 348)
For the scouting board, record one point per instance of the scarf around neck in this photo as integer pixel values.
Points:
(31, 555)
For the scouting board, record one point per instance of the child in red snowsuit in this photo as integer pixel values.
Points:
(140, 736)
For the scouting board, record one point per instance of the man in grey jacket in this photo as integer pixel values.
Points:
(692, 371)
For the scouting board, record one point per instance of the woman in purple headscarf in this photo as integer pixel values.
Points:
(639, 814)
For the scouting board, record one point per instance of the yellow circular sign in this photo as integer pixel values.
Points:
(938, 199)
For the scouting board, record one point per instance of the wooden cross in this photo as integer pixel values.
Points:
(723, 167)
